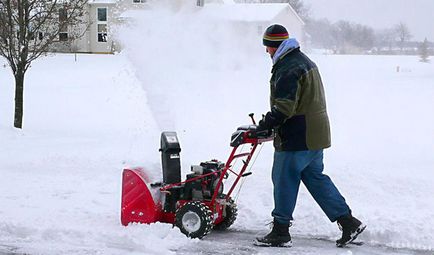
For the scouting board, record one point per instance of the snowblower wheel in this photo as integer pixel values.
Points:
(230, 215)
(194, 219)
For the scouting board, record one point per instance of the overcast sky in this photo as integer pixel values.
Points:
(417, 14)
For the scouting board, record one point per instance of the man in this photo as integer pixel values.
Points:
(299, 118)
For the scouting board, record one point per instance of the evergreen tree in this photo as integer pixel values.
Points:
(423, 51)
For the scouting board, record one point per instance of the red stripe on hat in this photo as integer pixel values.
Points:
(273, 35)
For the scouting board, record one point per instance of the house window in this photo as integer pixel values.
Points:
(139, 1)
(31, 35)
(63, 15)
(102, 32)
(63, 37)
(102, 14)
(63, 30)
(101, 25)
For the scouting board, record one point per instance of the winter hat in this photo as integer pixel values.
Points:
(275, 35)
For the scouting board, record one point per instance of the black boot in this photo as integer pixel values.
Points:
(350, 227)
(278, 237)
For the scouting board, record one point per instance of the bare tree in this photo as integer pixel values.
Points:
(302, 10)
(321, 33)
(28, 29)
(364, 36)
(403, 33)
(385, 39)
(342, 37)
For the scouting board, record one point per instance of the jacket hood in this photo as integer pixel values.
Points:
(286, 46)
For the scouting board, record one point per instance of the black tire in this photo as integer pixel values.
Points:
(194, 219)
(230, 215)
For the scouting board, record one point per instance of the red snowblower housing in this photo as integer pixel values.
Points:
(201, 202)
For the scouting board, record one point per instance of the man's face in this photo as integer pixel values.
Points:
(271, 51)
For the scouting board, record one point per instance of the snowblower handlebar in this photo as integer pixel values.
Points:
(253, 119)
(250, 134)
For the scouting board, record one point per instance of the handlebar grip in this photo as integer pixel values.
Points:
(251, 115)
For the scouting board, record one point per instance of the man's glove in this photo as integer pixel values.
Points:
(262, 130)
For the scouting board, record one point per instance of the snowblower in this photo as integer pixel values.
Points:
(199, 203)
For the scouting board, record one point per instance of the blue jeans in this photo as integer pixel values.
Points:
(289, 167)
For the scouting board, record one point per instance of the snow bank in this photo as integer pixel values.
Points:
(202, 79)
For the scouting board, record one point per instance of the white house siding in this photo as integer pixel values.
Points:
(78, 45)
(94, 45)
(82, 44)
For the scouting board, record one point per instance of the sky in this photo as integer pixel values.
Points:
(417, 14)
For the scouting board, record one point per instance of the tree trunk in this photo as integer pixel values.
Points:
(19, 99)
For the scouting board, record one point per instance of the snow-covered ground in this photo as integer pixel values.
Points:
(86, 120)
(60, 176)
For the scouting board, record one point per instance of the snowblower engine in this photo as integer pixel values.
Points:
(199, 185)
(203, 188)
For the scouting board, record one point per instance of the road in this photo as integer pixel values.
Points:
(237, 242)
(241, 243)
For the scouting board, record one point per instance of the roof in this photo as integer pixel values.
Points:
(102, 2)
(247, 12)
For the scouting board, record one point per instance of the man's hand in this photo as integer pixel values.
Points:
(272, 119)
(262, 130)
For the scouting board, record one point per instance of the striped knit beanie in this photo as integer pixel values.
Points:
(275, 35)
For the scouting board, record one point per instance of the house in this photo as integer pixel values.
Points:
(257, 15)
(103, 15)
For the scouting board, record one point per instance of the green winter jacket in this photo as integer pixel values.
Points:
(298, 107)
